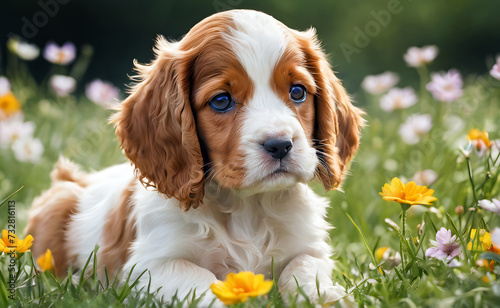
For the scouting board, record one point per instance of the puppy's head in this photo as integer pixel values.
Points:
(242, 100)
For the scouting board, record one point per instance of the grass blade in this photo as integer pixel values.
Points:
(374, 261)
(10, 196)
(457, 232)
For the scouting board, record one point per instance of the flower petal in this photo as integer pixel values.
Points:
(490, 205)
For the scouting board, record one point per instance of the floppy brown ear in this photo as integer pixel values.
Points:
(157, 130)
(338, 121)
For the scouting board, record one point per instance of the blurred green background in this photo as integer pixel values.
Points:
(361, 37)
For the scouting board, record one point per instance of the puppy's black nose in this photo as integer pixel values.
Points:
(278, 148)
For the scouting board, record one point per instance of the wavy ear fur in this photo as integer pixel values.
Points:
(338, 121)
(157, 130)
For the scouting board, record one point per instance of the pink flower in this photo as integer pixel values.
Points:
(492, 206)
(377, 84)
(495, 70)
(416, 57)
(60, 55)
(4, 86)
(446, 87)
(445, 246)
(62, 85)
(398, 99)
(426, 177)
(415, 126)
(102, 93)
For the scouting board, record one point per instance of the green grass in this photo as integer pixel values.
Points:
(77, 128)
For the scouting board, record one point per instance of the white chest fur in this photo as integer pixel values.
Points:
(233, 232)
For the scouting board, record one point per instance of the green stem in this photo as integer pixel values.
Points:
(82, 63)
(487, 176)
(404, 224)
(404, 239)
(404, 207)
(469, 168)
(496, 159)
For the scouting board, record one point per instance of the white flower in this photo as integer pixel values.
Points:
(435, 211)
(60, 55)
(4, 86)
(416, 57)
(415, 126)
(495, 150)
(23, 50)
(102, 93)
(392, 224)
(62, 85)
(466, 151)
(372, 281)
(492, 206)
(426, 177)
(446, 87)
(421, 228)
(14, 128)
(495, 70)
(398, 99)
(28, 149)
(377, 84)
(454, 263)
(495, 237)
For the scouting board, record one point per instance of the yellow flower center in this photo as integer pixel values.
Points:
(27, 149)
(60, 57)
(398, 103)
(448, 87)
(9, 104)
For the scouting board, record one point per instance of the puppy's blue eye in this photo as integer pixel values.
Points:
(298, 93)
(221, 102)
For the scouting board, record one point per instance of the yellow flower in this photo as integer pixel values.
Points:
(11, 243)
(476, 135)
(239, 287)
(379, 253)
(486, 278)
(9, 104)
(483, 243)
(46, 262)
(409, 193)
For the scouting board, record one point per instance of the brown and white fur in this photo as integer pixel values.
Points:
(203, 197)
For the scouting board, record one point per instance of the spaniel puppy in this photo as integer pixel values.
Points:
(224, 129)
